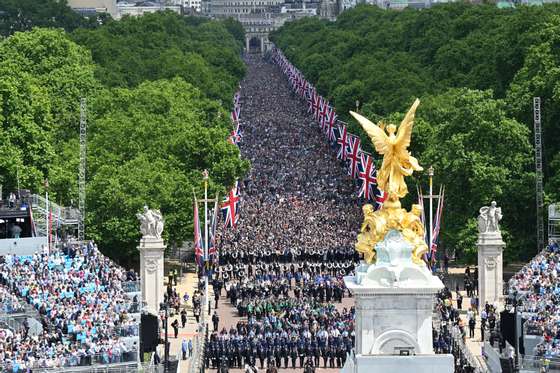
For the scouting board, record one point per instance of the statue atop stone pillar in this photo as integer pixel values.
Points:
(490, 255)
(151, 223)
(489, 218)
(393, 288)
(151, 250)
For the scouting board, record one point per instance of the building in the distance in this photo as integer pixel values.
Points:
(260, 17)
(138, 8)
(94, 6)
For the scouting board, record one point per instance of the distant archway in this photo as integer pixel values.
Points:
(255, 45)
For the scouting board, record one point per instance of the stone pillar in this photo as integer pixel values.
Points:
(247, 45)
(394, 308)
(151, 272)
(262, 45)
(490, 268)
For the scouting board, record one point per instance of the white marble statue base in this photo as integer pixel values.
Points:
(151, 272)
(399, 364)
(490, 268)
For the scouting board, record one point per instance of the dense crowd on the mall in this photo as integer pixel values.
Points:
(76, 295)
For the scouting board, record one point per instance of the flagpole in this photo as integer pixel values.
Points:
(206, 302)
(431, 175)
(47, 213)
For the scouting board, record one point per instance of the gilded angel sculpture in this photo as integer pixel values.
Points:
(397, 161)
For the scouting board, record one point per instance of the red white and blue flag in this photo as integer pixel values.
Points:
(367, 176)
(235, 136)
(230, 207)
(353, 155)
(330, 125)
(323, 113)
(212, 252)
(198, 249)
(437, 226)
(342, 142)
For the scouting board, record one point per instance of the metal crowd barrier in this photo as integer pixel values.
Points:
(125, 362)
(459, 344)
(197, 360)
(539, 364)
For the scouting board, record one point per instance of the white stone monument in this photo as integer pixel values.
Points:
(490, 249)
(151, 250)
(394, 307)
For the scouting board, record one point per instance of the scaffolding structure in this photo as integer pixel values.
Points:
(82, 170)
(538, 171)
(554, 222)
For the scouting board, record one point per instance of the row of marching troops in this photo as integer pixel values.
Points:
(241, 270)
(256, 255)
(236, 353)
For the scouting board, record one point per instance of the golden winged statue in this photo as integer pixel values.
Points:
(397, 161)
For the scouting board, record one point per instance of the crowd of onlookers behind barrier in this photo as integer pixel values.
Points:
(78, 295)
(536, 287)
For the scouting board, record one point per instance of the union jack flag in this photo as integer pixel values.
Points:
(235, 114)
(323, 113)
(309, 94)
(367, 175)
(330, 125)
(198, 251)
(235, 136)
(230, 207)
(353, 155)
(315, 103)
(318, 110)
(342, 142)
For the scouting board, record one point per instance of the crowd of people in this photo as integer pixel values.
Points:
(299, 218)
(288, 333)
(536, 289)
(79, 297)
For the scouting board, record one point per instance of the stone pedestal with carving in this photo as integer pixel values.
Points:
(394, 308)
(490, 268)
(151, 272)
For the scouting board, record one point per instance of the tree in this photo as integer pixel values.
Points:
(43, 75)
(480, 155)
(23, 15)
(168, 132)
(164, 45)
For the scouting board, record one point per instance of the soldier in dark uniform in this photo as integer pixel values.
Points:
(339, 355)
(332, 356)
(269, 352)
(262, 353)
(278, 356)
(284, 353)
(301, 353)
(293, 353)
(240, 351)
(207, 354)
(316, 353)
(325, 355)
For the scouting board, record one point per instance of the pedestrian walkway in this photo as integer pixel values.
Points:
(188, 283)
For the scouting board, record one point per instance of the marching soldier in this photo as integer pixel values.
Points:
(293, 353)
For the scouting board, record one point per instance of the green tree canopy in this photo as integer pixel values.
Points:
(23, 15)
(164, 45)
(476, 68)
(149, 145)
